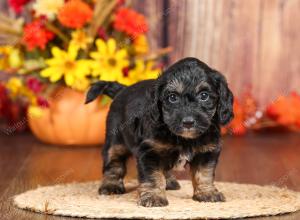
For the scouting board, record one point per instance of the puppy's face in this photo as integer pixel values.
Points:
(190, 99)
(189, 103)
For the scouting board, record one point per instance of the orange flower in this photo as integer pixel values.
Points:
(237, 125)
(285, 110)
(36, 35)
(75, 14)
(130, 22)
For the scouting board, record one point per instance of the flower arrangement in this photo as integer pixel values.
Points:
(73, 43)
(282, 113)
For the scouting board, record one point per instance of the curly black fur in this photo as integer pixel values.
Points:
(160, 120)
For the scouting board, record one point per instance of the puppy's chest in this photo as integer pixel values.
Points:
(186, 156)
(183, 159)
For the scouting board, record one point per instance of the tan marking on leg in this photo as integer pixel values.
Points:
(153, 194)
(112, 182)
(202, 179)
(116, 151)
(158, 184)
(204, 189)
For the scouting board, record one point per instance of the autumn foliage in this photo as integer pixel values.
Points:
(285, 110)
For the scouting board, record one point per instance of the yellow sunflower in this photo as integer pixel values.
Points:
(64, 65)
(4, 57)
(35, 111)
(109, 61)
(10, 57)
(14, 85)
(143, 70)
(17, 88)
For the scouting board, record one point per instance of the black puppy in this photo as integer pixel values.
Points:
(162, 121)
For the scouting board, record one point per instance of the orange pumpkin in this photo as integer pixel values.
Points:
(68, 121)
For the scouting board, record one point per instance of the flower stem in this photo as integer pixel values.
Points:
(9, 31)
(55, 30)
(157, 54)
(102, 11)
(100, 15)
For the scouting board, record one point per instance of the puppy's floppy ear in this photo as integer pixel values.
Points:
(225, 104)
(153, 96)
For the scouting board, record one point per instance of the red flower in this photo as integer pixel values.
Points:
(125, 71)
(34, 84)
(120, 2)
(42, 102)
(130, 22)
(75, 14)
(17, 5)
(102, 34)
(36, 35)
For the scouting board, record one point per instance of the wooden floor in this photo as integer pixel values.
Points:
(25, 164)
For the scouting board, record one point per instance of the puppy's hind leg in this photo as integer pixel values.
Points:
(114, 169)
(171, 182)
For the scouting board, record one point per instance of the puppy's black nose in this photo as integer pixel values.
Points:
(188, 122)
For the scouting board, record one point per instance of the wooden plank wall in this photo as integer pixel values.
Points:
(154, 11)
(3, 6)
(254, 43)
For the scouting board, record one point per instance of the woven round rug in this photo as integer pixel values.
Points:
(82, 200)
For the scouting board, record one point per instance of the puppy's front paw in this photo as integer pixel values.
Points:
(209, 196)
(172, 184)
(111, 187)
(152, 200)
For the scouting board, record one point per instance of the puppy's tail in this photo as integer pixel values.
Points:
(103, 87)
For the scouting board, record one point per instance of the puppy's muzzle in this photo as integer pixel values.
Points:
(188, 122)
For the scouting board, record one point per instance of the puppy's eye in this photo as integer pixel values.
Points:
(204, 96)
(173, 98)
